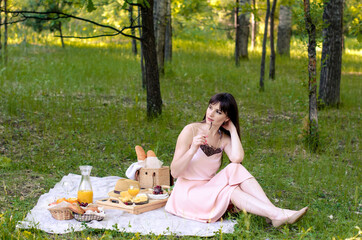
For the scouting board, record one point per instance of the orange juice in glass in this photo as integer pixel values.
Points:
(133, 190)
(85, 196)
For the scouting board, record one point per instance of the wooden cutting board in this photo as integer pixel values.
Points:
(115, 203)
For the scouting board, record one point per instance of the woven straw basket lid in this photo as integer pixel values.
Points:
(122, 185)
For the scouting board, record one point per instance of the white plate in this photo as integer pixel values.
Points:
(158, 196)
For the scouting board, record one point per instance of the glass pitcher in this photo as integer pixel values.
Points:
(85, 192)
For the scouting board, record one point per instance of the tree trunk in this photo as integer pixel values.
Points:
(168, 37)
(6, 32)
(154, 101)
(143, 71)
(237, 34)
(330, 79)
(160, 31)
(312, 82)
(272, 49)
(242, 32)
(61, 34)
(284, 30)
(1, 45)
(262, 67)
(253, 27)
(133, 31)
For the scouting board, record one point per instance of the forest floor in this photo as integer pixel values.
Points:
(61, 108)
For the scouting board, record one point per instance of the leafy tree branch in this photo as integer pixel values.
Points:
(55, 15)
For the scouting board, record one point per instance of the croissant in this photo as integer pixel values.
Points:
(141, 155)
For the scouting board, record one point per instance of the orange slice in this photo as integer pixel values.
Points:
(60, 200)
(72, 200)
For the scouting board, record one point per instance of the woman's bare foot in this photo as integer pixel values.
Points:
(288, 217)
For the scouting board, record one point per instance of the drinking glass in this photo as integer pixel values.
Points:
(133, 190)
(68, 186)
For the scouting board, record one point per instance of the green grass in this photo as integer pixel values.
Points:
(60, 108)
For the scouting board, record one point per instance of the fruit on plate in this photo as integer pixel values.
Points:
(140, 198)
(157, 190)
(126, 199)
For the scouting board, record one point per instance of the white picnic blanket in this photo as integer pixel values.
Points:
(157, 221)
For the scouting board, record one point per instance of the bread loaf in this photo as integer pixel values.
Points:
(74, 207)
(151, 153)
(93, 209)
(141, 155)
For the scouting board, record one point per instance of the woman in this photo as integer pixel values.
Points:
(199, 192)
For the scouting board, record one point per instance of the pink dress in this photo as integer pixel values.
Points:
(201, 194)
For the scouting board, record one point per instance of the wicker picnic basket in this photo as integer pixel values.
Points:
(61, 213)
(87, 217)
(150, 177)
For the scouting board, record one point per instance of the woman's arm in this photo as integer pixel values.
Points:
(186, 148)
(233, 147)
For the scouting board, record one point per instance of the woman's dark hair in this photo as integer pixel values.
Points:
(229, 106)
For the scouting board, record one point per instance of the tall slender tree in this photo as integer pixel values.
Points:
(254, 25)
(313, 138)
(262, 65)
(330, 78)
(1, 44)
(6, 32)
(168, 34)
(284, 30)
(61, 33)
(133, 31)
(242, 31)
(272, 49)
(160, 32)
(154, 100)
(142, 60)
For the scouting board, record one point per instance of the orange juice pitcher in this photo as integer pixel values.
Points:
(85, 191)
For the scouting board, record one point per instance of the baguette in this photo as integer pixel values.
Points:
(141, 155)
(151, 153)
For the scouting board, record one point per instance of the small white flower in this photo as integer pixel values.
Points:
(330, 216)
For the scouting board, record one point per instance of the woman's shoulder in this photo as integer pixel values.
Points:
(193, 125)
(187, 132)
(190, 129)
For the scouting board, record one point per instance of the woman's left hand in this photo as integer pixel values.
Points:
(228, 125)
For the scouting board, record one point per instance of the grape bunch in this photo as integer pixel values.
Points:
(83, 204)
(157, 190)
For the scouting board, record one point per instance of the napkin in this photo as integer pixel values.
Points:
(153, 162)
(131, 171)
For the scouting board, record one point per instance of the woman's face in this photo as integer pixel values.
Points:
(214, 115)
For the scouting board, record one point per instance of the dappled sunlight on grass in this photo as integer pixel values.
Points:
(85, 105)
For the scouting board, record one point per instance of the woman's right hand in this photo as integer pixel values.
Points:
(186, 147)
(197, 141)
